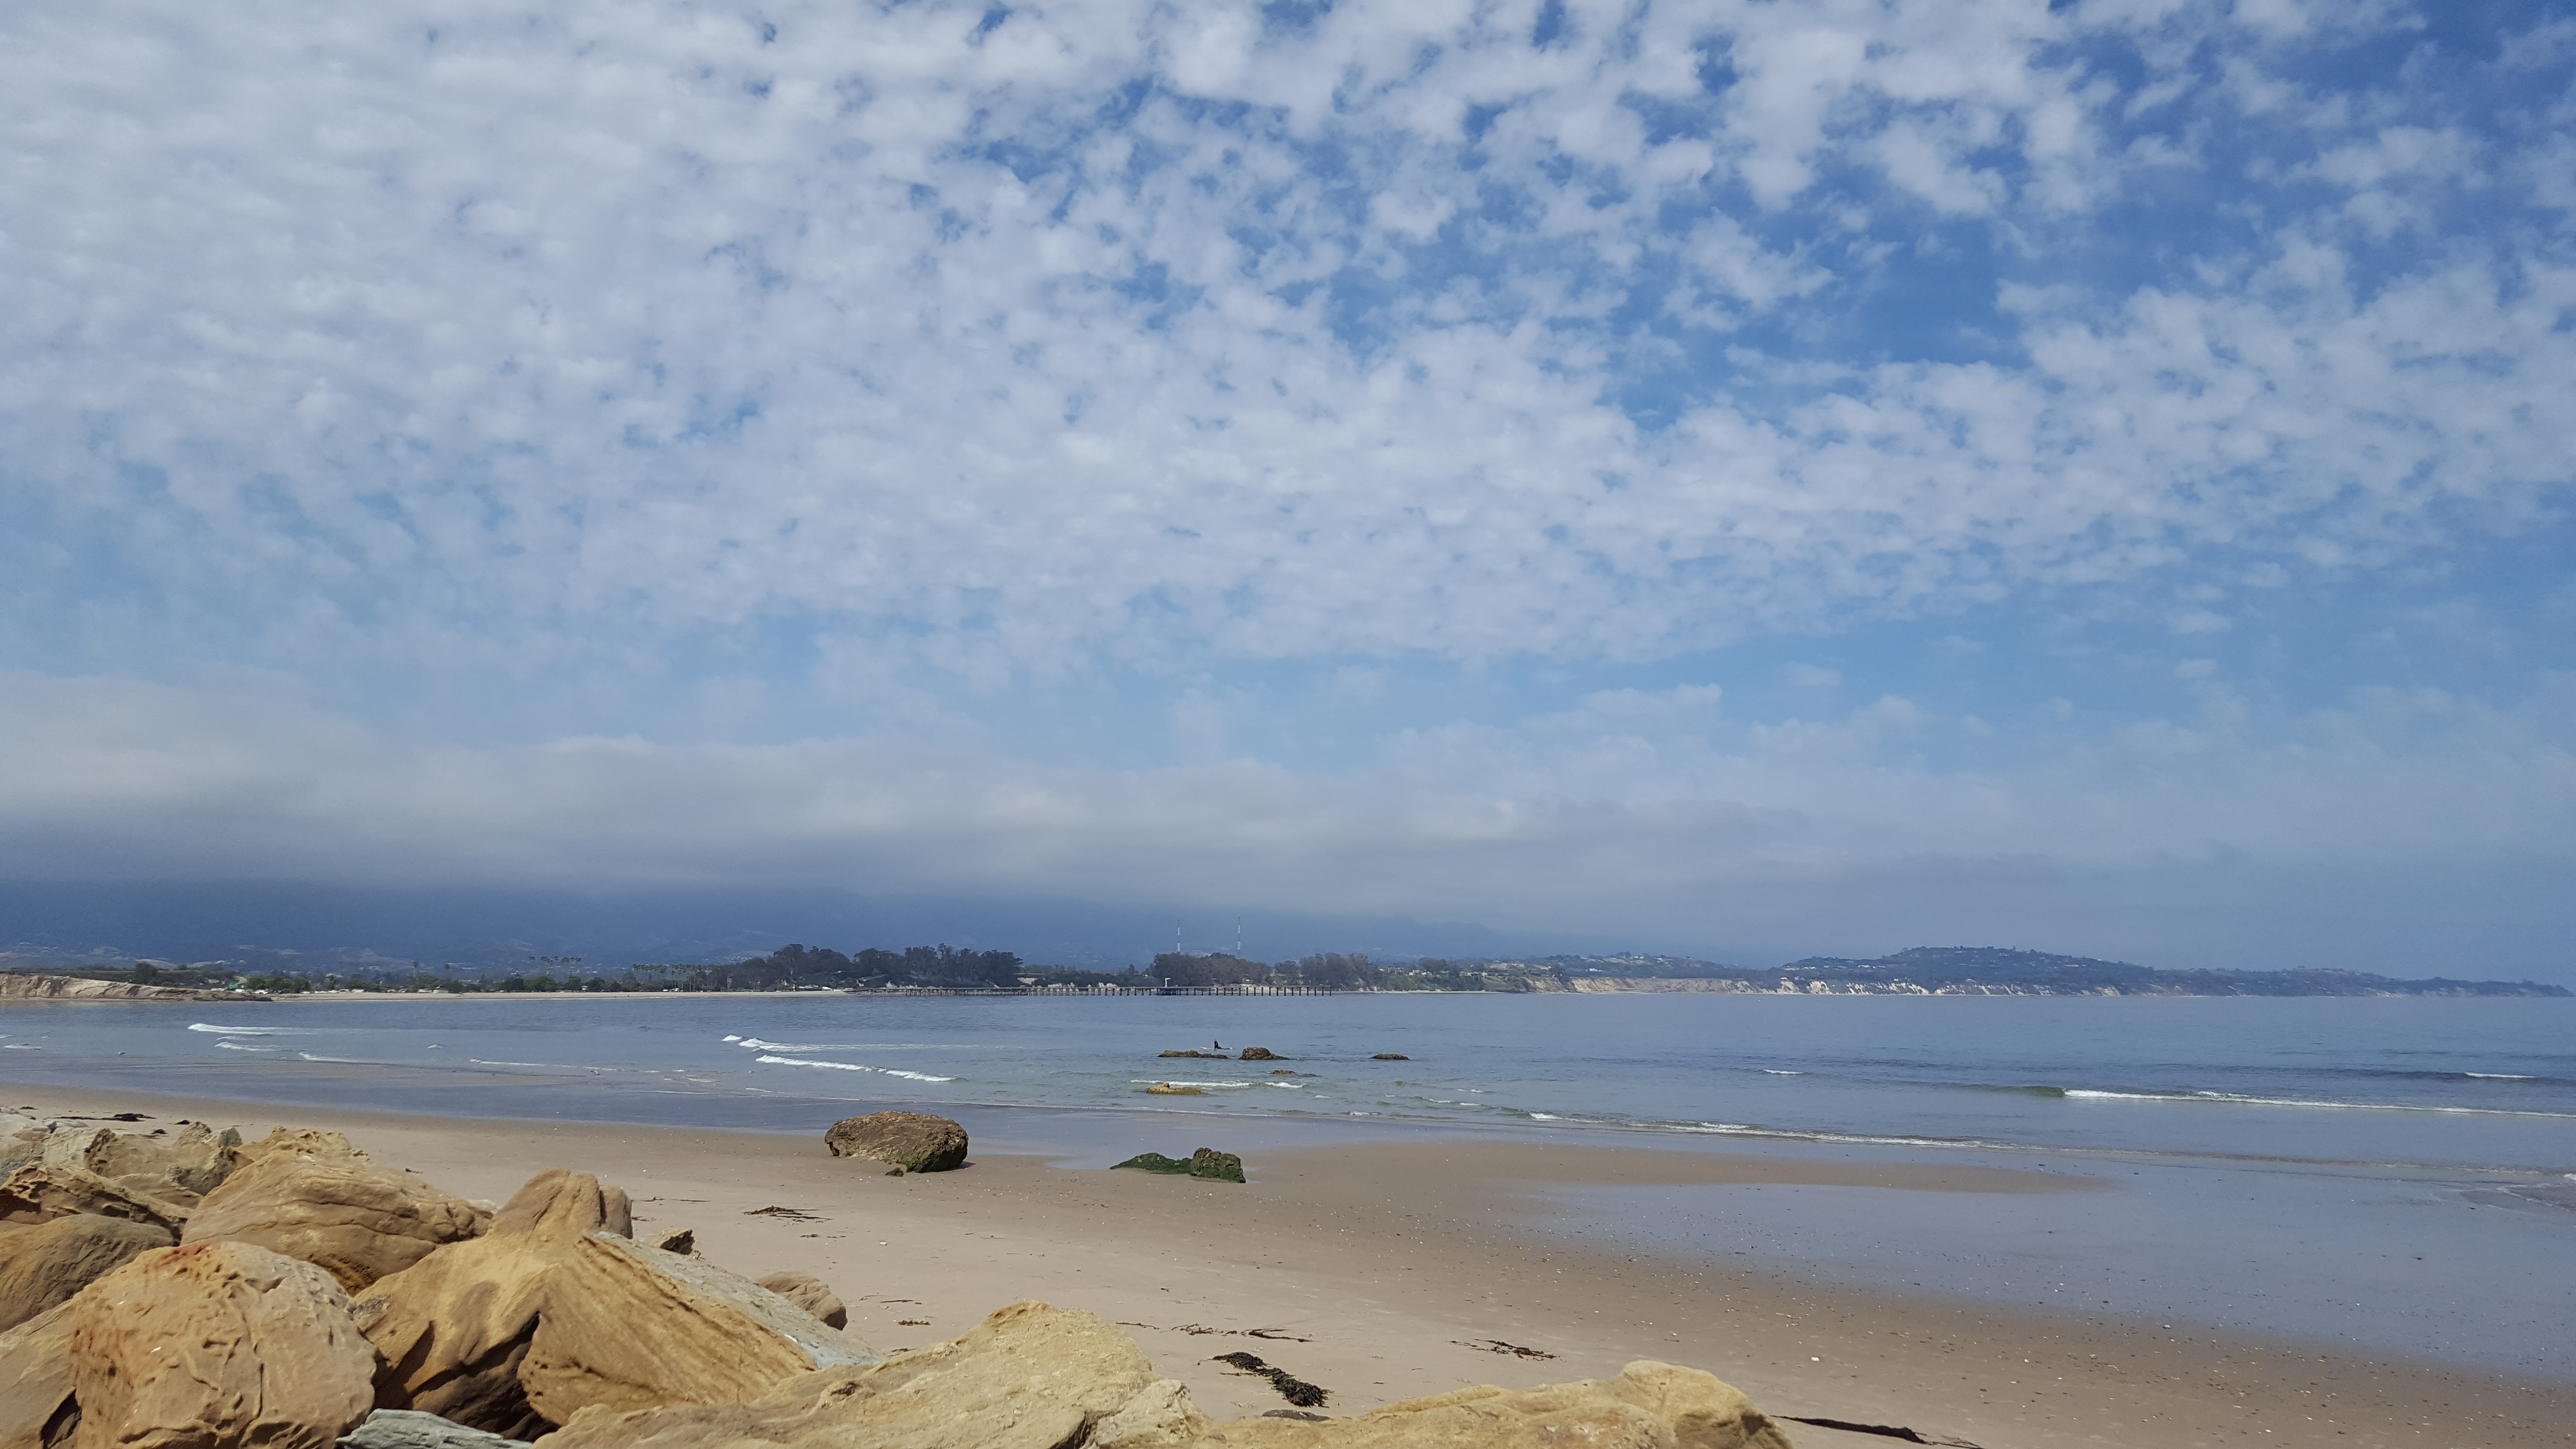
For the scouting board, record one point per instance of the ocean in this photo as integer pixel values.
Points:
(2396, 1175)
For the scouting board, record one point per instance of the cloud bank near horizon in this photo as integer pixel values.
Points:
(1533, 463)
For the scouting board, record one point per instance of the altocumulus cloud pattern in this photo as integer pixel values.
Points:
(367, 373)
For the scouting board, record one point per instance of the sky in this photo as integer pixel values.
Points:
(1746, 480)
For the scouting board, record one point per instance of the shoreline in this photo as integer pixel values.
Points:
(1378, 1268)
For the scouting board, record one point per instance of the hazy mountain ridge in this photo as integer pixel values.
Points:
(2005, 971)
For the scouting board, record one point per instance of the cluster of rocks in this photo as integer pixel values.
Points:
(195, 1291)
(1249, 1054)
(1207, 1162)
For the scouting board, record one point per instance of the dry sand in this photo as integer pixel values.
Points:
(1383, 1271)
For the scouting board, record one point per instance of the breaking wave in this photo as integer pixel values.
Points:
(2235, 1099)
(852, 1067)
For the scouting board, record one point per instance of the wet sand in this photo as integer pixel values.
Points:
(1386, 1270)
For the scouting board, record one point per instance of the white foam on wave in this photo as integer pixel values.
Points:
(234, 1046)
(342, 1061)
(753, 1043)
(20, 1046)
(1165, 1081)
(1777, 1072)
(2499, 1076)
(2234, 1099)
(1544, 1117)
(250, 1030)
(853, 1067)
(1739, 1129)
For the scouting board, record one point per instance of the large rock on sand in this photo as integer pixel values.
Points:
(346, 1215)
(1029, 1377)
(1647, 1406)
(217, 1345)
(554, 1309)
(46, 1264)
(36, 1406)
(811, 1294)
(913, 1141)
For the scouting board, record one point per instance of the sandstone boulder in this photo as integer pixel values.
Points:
(176, 1168)
(36, 1406)
(1647, 1405)
(1029, 1377)
(677, 1240)
(348, 1216)
(913, 1141)
(454, 1328)
(625, 1326)
(301, 1141)
(554, 1310)
(42, 1191)
(43, 1266)
(217, 1345)
(811, 1294)
(412, 1429)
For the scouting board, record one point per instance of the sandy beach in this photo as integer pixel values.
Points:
(1383, 1271)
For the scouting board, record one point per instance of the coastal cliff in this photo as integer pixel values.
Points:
(25, 986)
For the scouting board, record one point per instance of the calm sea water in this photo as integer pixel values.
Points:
(2488, 1084)
(2396, 1175)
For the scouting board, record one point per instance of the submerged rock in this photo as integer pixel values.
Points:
(1170, 1089)
(913, 1141)
(216, 1345)
(1261, 1054)
(1029, 1377)
(45, 1265)
(1390, 1057)
(1647, 1405)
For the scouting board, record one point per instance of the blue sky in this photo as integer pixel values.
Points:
(1730, 478)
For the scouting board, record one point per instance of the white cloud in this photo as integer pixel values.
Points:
(641, 318)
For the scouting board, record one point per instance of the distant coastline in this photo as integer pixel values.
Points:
(1921, 971)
